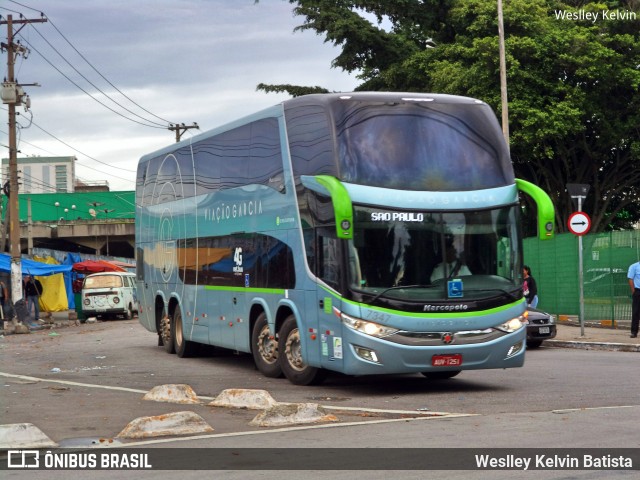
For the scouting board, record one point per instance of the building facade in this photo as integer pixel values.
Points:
(44, 174)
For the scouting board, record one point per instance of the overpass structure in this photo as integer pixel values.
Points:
(99, 223)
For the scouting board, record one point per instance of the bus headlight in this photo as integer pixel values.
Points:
(512, 325)
(368, 328)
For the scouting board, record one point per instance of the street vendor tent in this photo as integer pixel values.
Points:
(96, 266)
(31, 267)
(54, 292)
(50, 275)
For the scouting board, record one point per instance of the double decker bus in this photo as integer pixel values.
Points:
(362, 233)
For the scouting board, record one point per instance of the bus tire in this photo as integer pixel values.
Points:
(264, 348)
(128, 314)
(166, 333)
(441, 375)
(183, 347)
(290, 356)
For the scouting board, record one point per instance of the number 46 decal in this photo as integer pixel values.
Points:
(237, 259)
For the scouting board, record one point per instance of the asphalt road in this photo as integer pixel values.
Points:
(83, 384)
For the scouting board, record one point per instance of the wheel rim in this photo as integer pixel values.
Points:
(293, 351)
(267, 346)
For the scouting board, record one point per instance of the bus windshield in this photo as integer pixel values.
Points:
(421, 146)
(412, 255)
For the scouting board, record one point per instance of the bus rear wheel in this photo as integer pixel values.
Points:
(167, 333)
(290, 355)
(184, 348)
(264, 347)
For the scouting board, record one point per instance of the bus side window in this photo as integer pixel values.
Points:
(308, 235)
(329, 261)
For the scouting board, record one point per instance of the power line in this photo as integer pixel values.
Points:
(89, 63)
(89, 81)
(78, 151)
(84, 91)
(78, 164)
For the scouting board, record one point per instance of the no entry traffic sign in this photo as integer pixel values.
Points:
(579, 223)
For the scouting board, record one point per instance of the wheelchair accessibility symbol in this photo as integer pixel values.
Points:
(455, 288)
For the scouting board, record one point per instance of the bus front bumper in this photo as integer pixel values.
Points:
(366, 355)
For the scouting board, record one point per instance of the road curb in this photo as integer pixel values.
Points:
(615, 347)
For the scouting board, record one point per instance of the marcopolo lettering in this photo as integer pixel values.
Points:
(460, 307)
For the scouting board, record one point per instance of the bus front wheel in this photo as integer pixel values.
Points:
(184, 348)
(264, 347)
(290, 355)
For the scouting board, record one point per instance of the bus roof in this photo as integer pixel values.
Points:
(317, 99)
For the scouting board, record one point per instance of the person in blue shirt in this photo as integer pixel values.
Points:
(634, 283)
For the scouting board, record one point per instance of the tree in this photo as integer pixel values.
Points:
(293, 90)
(574, 84)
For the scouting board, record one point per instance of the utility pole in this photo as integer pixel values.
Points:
(503, 75)
(180, 129)
(12, 95)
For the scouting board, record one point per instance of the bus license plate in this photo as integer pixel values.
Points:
(453, 360)
(543, 330)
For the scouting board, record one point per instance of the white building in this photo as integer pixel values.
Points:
(43, 174)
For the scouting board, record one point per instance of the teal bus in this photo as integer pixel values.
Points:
(362, 233)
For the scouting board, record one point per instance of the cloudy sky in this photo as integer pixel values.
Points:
(179, 61)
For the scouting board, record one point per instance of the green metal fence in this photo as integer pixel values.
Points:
(606, 260)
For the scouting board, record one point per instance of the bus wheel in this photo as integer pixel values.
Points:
(166, 332)
(440, 375)
(128, 314)
(290, 348)
(184, 348)
(264, 348)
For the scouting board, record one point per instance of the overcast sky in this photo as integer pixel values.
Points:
(183, 61)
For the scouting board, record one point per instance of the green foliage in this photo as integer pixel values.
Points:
(573, 84)
(293, 90)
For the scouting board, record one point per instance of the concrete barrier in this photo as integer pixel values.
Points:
(24, 435)
(292, 414)
(177, 423)
(244, 398)
(173, 393)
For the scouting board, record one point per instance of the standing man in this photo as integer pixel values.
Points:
(634, 283)
(33, 290)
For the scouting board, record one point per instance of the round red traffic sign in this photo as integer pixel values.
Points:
(579, 223)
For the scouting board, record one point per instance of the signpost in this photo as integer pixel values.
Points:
(579, 224)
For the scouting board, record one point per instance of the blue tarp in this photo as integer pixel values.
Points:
(69, 277)
(31, 267)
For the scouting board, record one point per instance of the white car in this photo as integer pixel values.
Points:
(110, 294)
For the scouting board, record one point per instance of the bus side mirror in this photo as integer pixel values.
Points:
(546, 210)
(342, 207)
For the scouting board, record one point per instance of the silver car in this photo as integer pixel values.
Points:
(540, 326)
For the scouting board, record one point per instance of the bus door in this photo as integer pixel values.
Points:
(330, 272)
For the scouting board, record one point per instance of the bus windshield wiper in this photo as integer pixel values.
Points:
(510, 294)
(399, 287)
